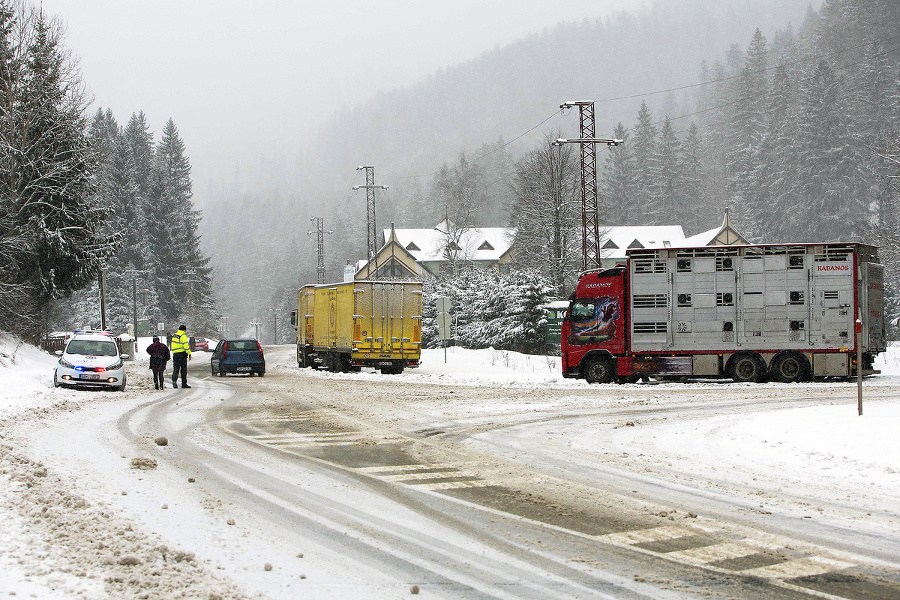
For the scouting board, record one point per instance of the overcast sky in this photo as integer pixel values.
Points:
(243, 78)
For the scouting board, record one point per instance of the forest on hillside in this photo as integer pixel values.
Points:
(156, 272)
(87, 205)
(791, 129)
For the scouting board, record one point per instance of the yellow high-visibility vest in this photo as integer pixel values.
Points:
(180, 342)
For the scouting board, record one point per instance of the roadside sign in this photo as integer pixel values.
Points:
(444, 321)
(442, 303)
(555, 318)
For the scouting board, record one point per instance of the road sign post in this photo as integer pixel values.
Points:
(442, 304)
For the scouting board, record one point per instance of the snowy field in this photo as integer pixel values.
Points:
(797, 444)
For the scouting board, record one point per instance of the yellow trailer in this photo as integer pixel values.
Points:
(345, 326)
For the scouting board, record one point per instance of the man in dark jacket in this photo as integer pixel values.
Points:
(159, 356)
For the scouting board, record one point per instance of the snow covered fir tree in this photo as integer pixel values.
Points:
(158, 270)
(51, 243)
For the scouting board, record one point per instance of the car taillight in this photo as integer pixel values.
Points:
(258, 347)
(224, 348)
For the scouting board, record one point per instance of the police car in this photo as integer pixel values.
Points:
(91, 359)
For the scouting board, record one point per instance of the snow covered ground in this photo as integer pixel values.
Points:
(794, 445)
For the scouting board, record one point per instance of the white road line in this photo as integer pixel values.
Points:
(453, 485)
(801, 567)
(641, 536)
(716, 552)
(407, 468)
(414, 476)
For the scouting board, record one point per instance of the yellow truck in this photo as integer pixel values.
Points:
(342, 327)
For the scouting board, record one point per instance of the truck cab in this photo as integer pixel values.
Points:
(595, 327)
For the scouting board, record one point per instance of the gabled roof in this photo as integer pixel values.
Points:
(392, 256)
(724, 235)
(614, 240)
(477, 243)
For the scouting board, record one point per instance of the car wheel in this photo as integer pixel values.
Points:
(121, 388)
(261, 373)
(55, 380)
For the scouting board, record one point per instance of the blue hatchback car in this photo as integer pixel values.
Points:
(238, 356)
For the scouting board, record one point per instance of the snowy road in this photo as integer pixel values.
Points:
(306, 484)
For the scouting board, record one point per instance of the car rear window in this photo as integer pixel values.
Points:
(243, 345)
(92, 348)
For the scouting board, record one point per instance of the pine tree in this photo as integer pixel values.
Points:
(618, 183)
(646, 166)
(695, 186)
(830, 161)
(49, 176)
(778, 166)
(747, 129)
(671, 204)
(181, 272)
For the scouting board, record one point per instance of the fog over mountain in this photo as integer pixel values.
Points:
(503, 102)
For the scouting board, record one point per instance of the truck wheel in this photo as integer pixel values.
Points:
(599, 370)
(747, 368)
(301, 357)
(789, 367)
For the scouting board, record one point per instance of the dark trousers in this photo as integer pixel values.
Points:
(159, 375)
(179, 364)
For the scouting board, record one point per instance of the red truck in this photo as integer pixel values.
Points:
(786, 312)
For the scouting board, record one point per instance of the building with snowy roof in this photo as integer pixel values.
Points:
(410, 253)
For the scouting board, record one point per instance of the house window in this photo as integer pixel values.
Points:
(485, 246)
(412, 247)
(454, 246)
(394, 268)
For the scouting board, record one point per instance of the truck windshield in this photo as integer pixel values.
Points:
(582, 310)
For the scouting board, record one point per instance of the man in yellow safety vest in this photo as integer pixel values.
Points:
(181, 353)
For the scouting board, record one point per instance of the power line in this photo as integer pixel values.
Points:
(799, 61)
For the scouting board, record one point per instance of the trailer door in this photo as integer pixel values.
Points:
(832, 289)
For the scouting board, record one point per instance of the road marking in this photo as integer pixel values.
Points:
(453, 485)
(703, 556)
(407, 468)
(414, 476)
(641, 536)
(311, 440)
(717, 552)
(800, 567)
(417, 476)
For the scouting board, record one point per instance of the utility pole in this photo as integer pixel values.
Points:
(102, 302)
(134, 304)
(275, 312)
(371, 231)
(590, 218)
(320, 267)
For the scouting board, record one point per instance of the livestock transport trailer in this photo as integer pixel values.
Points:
(787, 312)
(344, 326)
